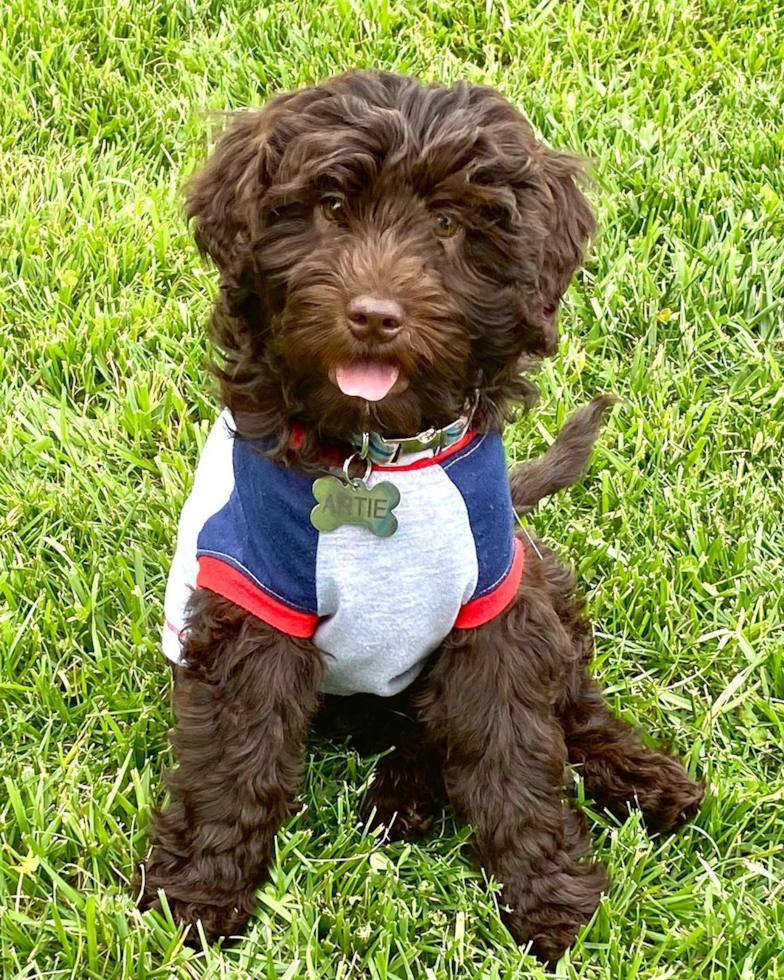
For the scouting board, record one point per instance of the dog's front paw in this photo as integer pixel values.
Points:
(553, 909)
(217, 921)
(219, 915)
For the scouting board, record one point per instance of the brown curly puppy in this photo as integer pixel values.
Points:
(389, 254)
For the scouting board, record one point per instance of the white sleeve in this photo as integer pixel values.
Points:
(212, 487)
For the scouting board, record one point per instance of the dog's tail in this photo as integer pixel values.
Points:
(564, 462)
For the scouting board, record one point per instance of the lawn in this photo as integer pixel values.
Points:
(677, 531)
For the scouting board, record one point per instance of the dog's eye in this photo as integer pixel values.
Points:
(446, 226)
(333, 206)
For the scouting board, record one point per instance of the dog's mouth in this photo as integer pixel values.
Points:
(369, 380)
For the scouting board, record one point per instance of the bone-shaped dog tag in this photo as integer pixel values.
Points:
(354, 502)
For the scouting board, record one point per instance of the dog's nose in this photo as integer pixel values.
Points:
(374, 319)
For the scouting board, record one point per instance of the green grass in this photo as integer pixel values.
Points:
(677, 531)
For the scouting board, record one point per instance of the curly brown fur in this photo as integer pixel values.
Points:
(564, 462)
(407, 793)
(243, 705)
(619, 771)
(508, 704)
(350, 187)
(397, 156)
(490, 705)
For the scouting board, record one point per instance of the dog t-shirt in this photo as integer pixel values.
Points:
(376, 606)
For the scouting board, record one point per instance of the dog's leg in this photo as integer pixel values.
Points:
(619, 771)
(488, 702)
(243, 706)
(407, 792)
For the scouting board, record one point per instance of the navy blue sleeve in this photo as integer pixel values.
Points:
(479, 473)
(264, 530)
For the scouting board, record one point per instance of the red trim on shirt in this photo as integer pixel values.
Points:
(330, 455)
(170, 626)
(297, 435)
(334, 456)
(420, 464)
(223, 578)
(481, 610)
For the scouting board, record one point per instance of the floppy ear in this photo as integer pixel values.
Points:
(224, 198)
(571, 223)
(227, 199)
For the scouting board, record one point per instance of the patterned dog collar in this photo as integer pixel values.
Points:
(381, 450)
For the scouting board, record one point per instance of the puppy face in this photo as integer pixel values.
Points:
(385, 248)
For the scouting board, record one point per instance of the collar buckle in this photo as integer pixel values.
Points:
(379, 449)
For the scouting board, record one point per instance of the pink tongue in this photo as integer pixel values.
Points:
(369, 380)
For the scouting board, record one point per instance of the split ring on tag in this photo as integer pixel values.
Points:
(357, 480)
